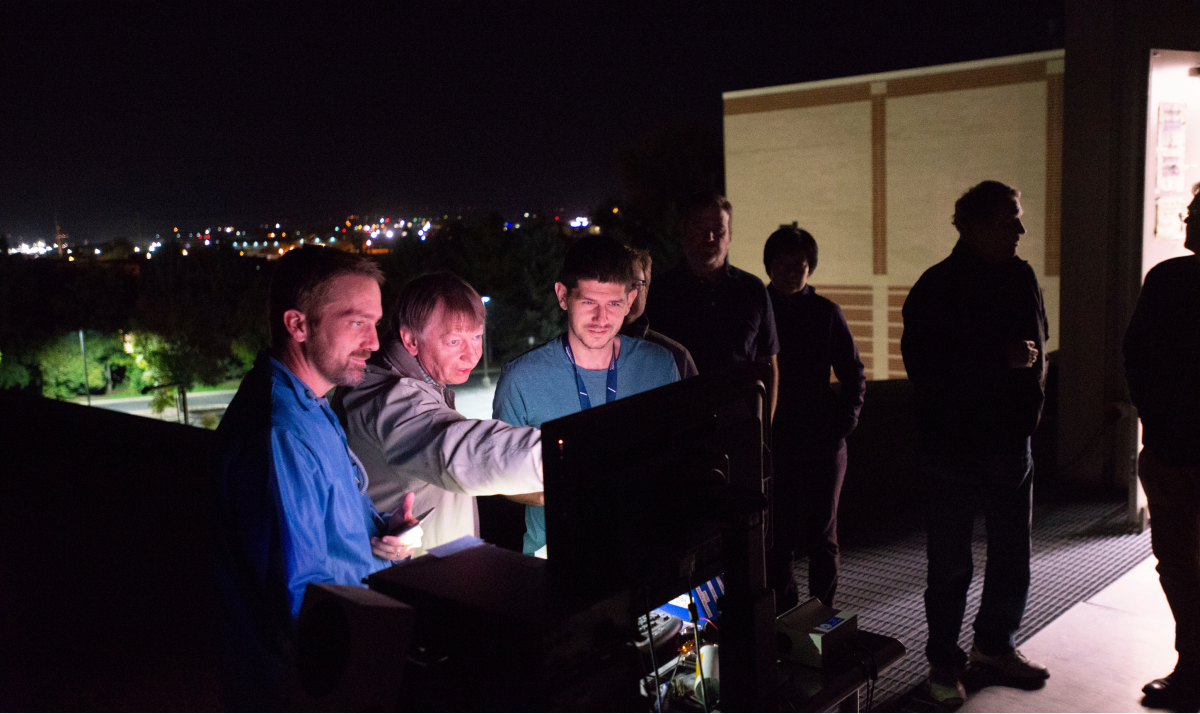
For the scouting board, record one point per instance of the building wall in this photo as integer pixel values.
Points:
(872, 165)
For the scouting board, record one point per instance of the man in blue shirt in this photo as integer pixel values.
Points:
(291, 503)
(590, 364)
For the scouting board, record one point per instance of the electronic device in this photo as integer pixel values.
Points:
(664, 490)
(415, 522)
(662, 625)
(351, 646)
(646, 497)
(491, 635)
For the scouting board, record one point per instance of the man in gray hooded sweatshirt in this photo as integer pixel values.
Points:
(402, 424)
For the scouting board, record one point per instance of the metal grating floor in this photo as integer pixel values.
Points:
(1078, 549)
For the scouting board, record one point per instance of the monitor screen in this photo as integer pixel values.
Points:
(637, 490)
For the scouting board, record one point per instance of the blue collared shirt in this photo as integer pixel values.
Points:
(318, 515)
(291, 507)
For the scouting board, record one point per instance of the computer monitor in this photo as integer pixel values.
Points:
(639, 491)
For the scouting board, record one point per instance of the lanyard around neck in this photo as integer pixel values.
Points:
(610, 384)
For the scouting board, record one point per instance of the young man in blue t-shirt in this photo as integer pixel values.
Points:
(590, 364)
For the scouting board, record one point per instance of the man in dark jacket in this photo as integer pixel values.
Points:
(638, 325)
(974, 346)
(720, 313)
(1162, 365)
(812, 421)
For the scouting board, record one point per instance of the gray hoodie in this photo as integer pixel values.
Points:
(409, 437)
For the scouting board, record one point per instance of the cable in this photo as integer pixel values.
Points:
(870, 669)
(695, 617)
(653, 657)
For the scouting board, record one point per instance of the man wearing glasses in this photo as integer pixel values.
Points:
(638, 325)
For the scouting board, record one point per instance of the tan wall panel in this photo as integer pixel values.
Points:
(811, 165)
(941, 144)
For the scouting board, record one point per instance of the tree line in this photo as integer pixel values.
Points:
(201, 318)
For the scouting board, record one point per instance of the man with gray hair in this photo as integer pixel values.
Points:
(402, 423)
(974, 345)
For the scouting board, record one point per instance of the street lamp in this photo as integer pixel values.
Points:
(487, 380)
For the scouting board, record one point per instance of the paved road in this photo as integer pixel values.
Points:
(140, 406)
(473, 399)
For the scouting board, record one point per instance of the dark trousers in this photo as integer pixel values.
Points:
(807, 484)
(958, 485)
(1173, 494)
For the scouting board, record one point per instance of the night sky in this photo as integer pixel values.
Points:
(202, 114)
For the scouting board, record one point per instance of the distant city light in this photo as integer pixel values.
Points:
(207, 231)
(517, 226)
(137, 249)
(97, 251)
(486, 299)
(39, 248)
(185, 251)
(527, 215)
(368, 242)
(614, 209)
(389, 234)
(205, 241)
(229, 229)
(277, 225)
(276, 244)
(269, 235)
(577, 222)
(333, 240)
(176, 229)
(147, 256)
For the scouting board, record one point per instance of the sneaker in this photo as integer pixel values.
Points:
(1010, 665)
(946, 687)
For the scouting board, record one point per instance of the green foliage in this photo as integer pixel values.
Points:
(41, 299)
(162, 399)
(61, 367)
(13, 374)
(199, 318)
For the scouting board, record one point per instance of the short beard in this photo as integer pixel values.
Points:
(340, 373)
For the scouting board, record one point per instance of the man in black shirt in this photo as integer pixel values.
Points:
(1162, 366)
(974, 346)
(721, 314)
(812, 421)
(638, 325)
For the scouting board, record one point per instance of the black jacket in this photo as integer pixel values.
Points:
(1162, 360)
(813, 337)
(958, 320)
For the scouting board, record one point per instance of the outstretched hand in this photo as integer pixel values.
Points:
(400, 543)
